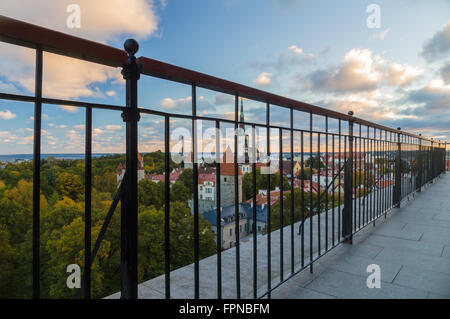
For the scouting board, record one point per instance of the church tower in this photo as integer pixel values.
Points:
(242, 133)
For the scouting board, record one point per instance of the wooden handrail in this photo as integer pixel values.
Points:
(30, 35)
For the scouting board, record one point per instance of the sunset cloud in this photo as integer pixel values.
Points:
(361, 71)
(102, 21)
(7, 115)
(264, 79)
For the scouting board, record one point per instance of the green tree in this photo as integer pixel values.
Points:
(8, 256)
(150, 193)
(316, 162)
(261, 183)
(187, 178)
(69, 185)
(305, 173)
(106, 183)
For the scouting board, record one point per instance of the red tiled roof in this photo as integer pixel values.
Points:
(227, 166)
(202, 178)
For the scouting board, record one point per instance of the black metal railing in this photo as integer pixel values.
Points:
(382, 167)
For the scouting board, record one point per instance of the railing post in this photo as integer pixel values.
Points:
(347, 213)
(432, 162)
(129, 228)
(398, 172)
(419, 166)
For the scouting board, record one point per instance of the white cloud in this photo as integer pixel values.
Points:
(171, 104)
(402, 75)
(79, 126)
(113, 127)
(7, 115)
(298, 51)
(102, 20)
(264, 79)
(69, 108)
(361, 71)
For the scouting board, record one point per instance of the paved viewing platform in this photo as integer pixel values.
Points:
(411, 246)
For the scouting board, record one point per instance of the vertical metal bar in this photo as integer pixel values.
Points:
(218, 214)
(195, 182)
(280, 136)
(419, 166)
(359, 178)
(129, 227)
(354, 191)
(373, 197)
(340, 186)
(384, 175)
(236, 199)
(347, 222)
(303, 198)
(269, 228)
(318, 193)
(364, 192)
(87, 204)
(366, 179)
(326, 183)
(345, 172)
(311, 209)
(37, 173)
(398, 177)
(379, 174)
(167, 204)
(390, 170)
(292, 187)
(255, 244)
(333, 194)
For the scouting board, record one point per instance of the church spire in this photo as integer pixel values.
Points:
(241, 115)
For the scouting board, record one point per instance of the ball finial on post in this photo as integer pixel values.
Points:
(350, 113)
(131, 46)
(399, 128)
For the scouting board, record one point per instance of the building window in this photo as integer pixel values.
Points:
(259, 228)
(240, 228)
(224, 179)
(231, 231)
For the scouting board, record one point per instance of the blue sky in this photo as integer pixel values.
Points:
(320, 52)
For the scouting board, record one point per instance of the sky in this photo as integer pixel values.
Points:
(320, 52)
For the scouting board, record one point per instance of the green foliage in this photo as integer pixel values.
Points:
(261, 183)
(8, 257)
(305, 173)
(316, 162)
(69, 185)
(150, 193)
(187, 178)
(62, 226)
